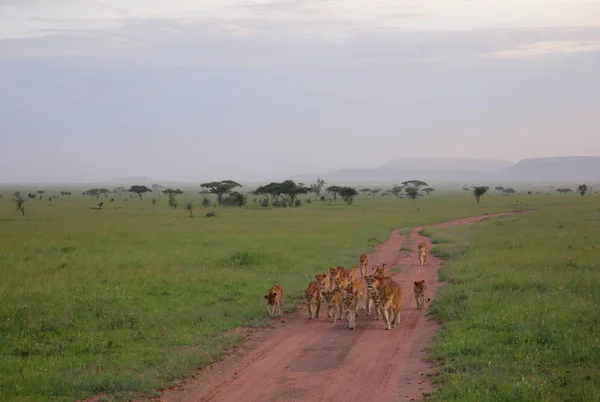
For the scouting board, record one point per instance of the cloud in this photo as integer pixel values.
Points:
(546, 48)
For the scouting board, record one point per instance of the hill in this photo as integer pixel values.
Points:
(563, 168)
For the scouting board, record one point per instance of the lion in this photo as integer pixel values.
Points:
(338, 272)
(380, 271)
(374, 285)
(313, 299)
(334, 301)
(353, 273)
(350, 303)
(422, 254)
(420, 288)
(390, 304)
(325, 282)
(274, 300)
(364, 263)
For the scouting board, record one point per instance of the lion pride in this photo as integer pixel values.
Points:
(391, 304)
(420, 287)
(422, 254)
(274, 300)
(313, 299)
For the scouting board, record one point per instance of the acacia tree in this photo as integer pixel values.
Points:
(348, 194)
(316, 188)
(19, 202)
(428, 190)
(172, 193)
(220, 188)
(335, 190)
(412, 187)
(139, 190)
(97, 192)
(509, 191)
(563, 190)
(375, 191)
(289, 189)
(41, 193)
(397, 190)
(478, 191)
(582, 189)
(498, 188)
(365, 191)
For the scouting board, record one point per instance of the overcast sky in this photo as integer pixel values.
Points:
(241, 89)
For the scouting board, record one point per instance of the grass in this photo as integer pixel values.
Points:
(520, 307)
(123, 300)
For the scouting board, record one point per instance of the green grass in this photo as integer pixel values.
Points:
(520, 307)
(123, 300)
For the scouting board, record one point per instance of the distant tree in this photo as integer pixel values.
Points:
(220, 188)
(172, 193)
(97, 192)
(206, 202)
(348, 194)
(376, 191)
(365, 191)
(428, 190)
(397, 190)
(100, 204)
(335, 190)
(41, 193)
(529, 192)
(411, 192)
(236, 199)
(582, 189)
(466, 189)
(318, 187)
(119, 190)
(139, 190)
(19, 202)
(478, 191)
(154, 201)
(291, 190)
(564, 190)
(498, 188)
(508, 191)
(157, 188)
(415, 183)
(190, 207)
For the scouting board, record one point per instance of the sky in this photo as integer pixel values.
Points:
(259, 89)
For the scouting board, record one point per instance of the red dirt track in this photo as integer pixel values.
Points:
(308, 361)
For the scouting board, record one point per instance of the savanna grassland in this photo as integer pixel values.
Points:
(123, 300)
(520, 307)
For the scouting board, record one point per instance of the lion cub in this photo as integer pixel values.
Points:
(334, 301)
(422, 254)
(391, 304)
(420, 288)
(364, 263)
(274, 300)
(350, 303)
(313, 299)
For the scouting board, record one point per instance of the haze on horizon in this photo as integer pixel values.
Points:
(244, 90)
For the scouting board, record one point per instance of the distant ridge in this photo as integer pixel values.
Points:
(560, 168)
(566, 168)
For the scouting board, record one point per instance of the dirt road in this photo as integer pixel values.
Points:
(308, 361)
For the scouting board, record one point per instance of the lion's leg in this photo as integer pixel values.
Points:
(369, 306)
(318, 308)
(386, 318)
